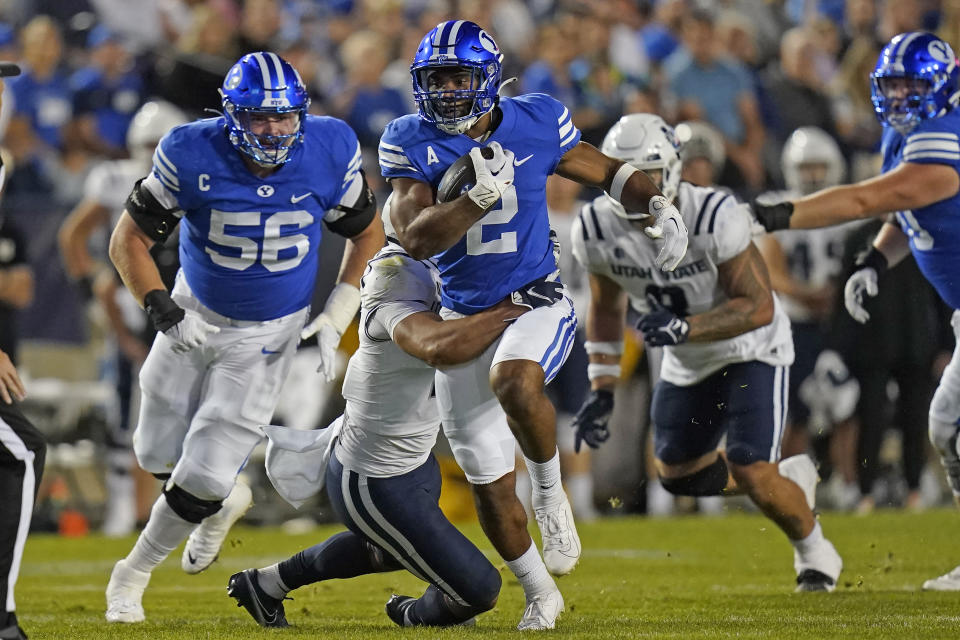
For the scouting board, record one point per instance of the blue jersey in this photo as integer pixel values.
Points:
(934, 230)
(509, 246)
(248, 245)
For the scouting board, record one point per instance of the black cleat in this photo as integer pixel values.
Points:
(398, 608)
(813, 580)
(12, 632)
(267, 611)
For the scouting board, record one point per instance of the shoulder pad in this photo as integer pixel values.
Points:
(393, 276)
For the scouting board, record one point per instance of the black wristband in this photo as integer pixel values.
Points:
(874, 259)
(163, 311)
(773, 217)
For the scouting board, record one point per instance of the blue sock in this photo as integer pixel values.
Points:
(345, 555)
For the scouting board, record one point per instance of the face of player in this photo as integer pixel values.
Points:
(272, 130)
(898, 90)
(813, 176)
(449, 80)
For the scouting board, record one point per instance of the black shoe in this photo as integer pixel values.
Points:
(267, 611)
(398, 608)
(813, 580)
(13, 632)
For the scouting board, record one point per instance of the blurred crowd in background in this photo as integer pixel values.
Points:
(742, 75)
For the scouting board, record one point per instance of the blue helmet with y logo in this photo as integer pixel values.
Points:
(916, 78)
(456, 45)
(259, 84)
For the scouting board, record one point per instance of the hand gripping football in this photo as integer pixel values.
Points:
(460, 177)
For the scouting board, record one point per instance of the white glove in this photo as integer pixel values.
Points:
(338, 313)
(494, 175)
(863, 280)
(670, 227)
(191, 332)
(328, 339)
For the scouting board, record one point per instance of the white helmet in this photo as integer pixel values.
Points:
(150, 123)
(811, 146)
(701, 140)
(646, 142)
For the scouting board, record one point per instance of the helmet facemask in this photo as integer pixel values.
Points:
(903, 100)
(265, 136)
(453, 98)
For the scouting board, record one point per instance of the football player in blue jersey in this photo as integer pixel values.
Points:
(249, 190)
(492, 240)
(916, 90)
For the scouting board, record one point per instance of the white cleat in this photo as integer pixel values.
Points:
(561, 544)
(803, 472)
(947, 582)
(125, 593)
(542, 612)
(819, 570)
(203, 545)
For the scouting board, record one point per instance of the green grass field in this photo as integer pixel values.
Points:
(688, 577)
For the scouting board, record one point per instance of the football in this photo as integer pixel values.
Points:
(459, 177)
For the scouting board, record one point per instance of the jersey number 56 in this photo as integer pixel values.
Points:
(268, 252)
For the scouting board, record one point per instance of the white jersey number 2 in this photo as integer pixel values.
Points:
(506, 242)
(272, 244)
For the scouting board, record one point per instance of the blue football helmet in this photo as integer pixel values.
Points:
(916, 78)
(263, 83)
(451, 45)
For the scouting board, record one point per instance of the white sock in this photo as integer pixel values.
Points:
(580, 489)
(270, 581)
(164, 532)
(811, 542)
(532, 573)
(545, 477)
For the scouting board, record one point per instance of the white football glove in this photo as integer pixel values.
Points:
(494, 176)
(328, 339)
(191, 332)
(338, 313)
(671, 229)
(863, 280)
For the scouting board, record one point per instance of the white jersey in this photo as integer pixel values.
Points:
(571, 273)
(814, 257)
(108, 184)
(720, 229)
(390, 422)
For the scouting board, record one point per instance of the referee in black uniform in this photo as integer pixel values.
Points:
(22, 452)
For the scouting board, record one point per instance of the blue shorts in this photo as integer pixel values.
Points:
(808, 342)
(401, 515)
(746, 401)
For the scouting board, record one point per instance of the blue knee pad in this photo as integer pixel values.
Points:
(188, 506)
(709, 481)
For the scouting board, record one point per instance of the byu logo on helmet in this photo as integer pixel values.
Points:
(456, 75)
(265, 103)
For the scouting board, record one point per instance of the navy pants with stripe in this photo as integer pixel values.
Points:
(747, 401)
(401, 517)
(22, 453)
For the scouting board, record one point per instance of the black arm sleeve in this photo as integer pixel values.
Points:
(357, 217)
(152, 217)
